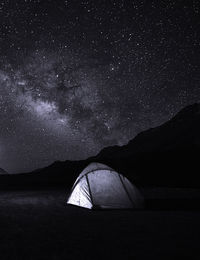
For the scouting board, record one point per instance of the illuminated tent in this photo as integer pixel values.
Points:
(99, 186)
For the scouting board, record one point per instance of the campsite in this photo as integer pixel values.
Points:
(99, 130)
(39, 225)
(67, 211)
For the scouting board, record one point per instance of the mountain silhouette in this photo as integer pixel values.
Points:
(2, 171)
(166, 155)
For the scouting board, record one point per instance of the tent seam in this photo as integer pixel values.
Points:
(126, 191)
(89, 189)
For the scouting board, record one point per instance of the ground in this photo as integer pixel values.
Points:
(39, 225)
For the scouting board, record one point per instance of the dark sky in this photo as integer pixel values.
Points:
(76, 76)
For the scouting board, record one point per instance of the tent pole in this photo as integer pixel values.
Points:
(126, 191)
(89, 189)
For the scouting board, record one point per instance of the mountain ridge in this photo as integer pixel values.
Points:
(158, 156)
(2, 171)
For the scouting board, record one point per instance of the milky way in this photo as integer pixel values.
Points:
(76, 77)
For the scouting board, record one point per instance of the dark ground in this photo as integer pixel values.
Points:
(39, 225)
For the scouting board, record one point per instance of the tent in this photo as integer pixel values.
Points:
(99, 186)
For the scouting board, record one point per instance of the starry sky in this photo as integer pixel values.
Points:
(76, 76)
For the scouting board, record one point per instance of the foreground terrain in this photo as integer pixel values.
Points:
(39, 225)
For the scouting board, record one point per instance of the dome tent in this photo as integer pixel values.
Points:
(99, 186)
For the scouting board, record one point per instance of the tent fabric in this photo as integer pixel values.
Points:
(99, 186)
(81, 195)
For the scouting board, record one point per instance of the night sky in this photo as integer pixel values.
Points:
(76, 76)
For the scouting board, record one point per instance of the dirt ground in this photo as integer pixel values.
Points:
(39, 225)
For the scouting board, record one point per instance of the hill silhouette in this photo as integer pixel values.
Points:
(2, 171)
(166, 155)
